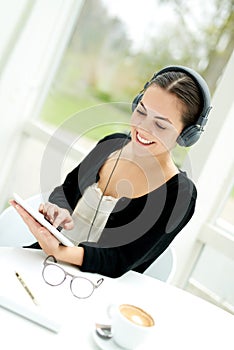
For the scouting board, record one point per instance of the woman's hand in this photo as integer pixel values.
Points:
(47, 241)
(57, 216)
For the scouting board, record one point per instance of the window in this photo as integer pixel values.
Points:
(226, 217)
(213, 278)
(213, 274)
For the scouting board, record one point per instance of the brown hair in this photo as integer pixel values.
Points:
(186, 90)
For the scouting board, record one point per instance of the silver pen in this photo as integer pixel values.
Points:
(26, 288)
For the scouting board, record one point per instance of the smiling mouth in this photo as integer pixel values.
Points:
(142, 140)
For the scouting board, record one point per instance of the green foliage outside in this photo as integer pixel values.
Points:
(101, 72)
(86, 115)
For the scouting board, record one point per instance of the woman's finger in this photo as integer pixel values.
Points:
(69, 225)
(62, 218)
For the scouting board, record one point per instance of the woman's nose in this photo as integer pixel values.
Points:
(146, 123)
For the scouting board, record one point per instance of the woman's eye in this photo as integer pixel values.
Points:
(160, 126)
(141, 112)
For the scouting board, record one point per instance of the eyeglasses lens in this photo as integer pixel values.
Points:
(53, 275)
(81, 287)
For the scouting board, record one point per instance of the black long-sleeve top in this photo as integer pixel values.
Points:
(138, 230)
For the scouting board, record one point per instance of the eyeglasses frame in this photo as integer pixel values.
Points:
(73, 277)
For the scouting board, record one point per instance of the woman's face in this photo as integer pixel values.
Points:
(156, 122)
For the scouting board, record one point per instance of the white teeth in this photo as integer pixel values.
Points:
(144, 141)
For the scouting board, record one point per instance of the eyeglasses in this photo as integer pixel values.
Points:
(54, 275)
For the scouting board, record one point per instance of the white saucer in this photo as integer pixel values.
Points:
(105, 344)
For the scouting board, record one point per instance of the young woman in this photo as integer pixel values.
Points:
(127, 200)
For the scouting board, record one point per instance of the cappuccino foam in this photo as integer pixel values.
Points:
(136, 315)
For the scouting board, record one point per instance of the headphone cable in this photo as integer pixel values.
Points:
(108, 181)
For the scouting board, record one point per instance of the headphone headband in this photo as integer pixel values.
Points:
(191, 134)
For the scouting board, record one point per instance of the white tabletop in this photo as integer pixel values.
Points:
(183, 321)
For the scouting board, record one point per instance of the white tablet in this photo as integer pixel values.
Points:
(40, 218)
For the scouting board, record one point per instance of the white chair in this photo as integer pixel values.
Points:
(13, 231)
(163, 268)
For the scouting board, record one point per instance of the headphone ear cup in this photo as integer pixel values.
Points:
(136, 100)
(189, 136)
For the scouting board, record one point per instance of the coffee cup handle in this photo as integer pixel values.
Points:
(111, 309)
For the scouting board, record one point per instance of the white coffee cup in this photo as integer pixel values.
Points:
(131, 325)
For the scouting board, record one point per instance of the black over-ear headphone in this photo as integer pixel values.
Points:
(192, 133)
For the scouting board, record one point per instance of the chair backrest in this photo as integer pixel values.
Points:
(163, 268)
(13, 231)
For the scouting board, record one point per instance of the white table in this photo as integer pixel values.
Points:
(183, 321)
